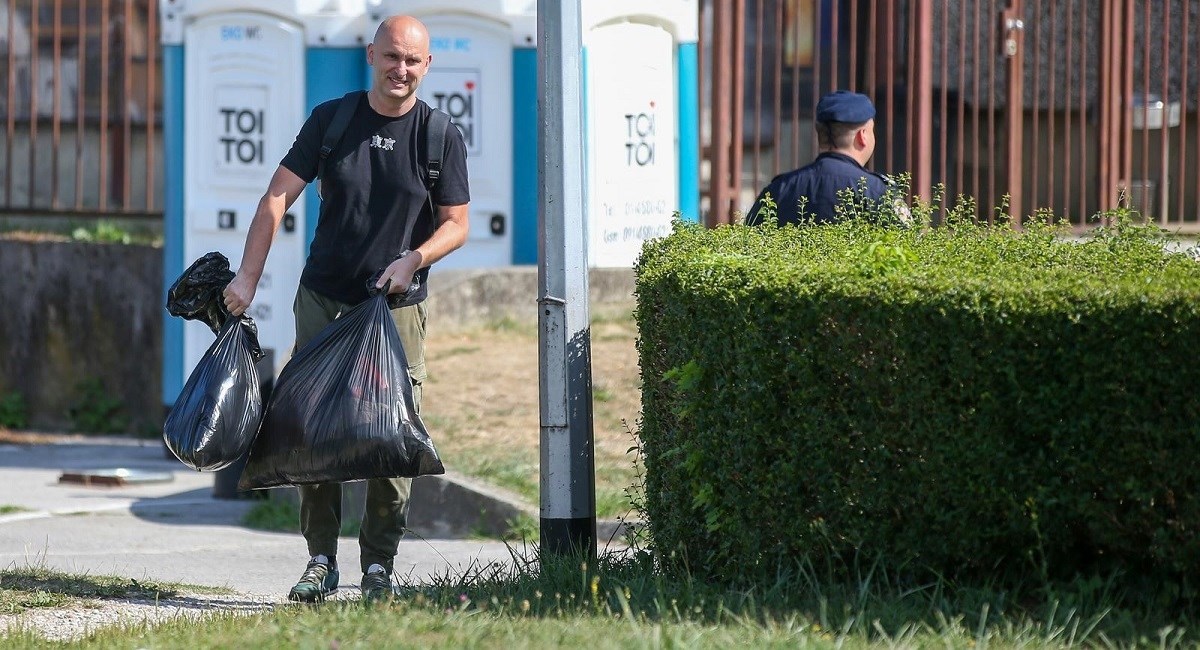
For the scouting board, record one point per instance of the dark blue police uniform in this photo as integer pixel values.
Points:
(820, 181)
(832, 172)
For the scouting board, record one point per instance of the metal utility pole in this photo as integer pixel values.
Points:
(568, 480)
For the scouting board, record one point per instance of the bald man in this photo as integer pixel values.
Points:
(376, 217)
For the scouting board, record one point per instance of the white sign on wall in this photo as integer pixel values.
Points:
(244, 94)
(634, 151)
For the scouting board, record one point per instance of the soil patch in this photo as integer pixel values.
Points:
(481, 403)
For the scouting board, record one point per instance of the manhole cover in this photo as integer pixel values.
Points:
(115, 477)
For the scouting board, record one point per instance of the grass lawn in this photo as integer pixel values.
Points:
(623, 601)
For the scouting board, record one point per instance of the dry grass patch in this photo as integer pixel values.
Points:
(481, 403)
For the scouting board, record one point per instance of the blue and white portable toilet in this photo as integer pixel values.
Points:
(642, 120)
(641, 112)
(239, 81)
(484, 74)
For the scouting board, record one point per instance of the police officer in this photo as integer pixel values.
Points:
(845, 124)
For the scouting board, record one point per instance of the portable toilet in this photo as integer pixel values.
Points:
(642, 121)
(641, 113)
(239, 81)
(484, 74)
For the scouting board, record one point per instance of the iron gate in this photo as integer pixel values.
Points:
(81, 108)
(1058, 105)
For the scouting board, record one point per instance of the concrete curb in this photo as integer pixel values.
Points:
(462, 298)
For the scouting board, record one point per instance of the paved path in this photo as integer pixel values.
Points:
(169, 531)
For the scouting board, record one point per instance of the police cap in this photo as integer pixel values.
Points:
(845, 106)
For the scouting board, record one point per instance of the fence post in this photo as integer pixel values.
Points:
(1013, 30)
(921, 148)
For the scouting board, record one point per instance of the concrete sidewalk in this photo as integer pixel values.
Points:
(171, 531)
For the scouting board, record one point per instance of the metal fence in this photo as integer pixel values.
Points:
(1058, 105)
(81, 103)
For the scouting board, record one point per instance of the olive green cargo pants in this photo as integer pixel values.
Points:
(385, 514)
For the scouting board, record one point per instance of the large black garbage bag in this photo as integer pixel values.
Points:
(217, 413)
(342, 409)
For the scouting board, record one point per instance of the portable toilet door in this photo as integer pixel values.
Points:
(471, 78)
(244, 102)
(633, 117)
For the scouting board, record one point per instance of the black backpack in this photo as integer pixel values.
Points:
(435, 137)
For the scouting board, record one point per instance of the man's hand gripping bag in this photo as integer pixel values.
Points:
(343, 410)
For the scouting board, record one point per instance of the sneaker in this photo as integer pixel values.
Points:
(319, 581)
(376, 584)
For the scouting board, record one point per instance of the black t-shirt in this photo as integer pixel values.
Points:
(374, 184)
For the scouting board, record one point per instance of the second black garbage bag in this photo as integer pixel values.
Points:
(342, 410)
(216, 415)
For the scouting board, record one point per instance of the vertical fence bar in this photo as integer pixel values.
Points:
(833, 47)
(911, 63)
(1127, 97)
(1068, 113)
(873, 73)
(1183, 113)
(1035, 186)
(103, 152)
(991, 49)
(1052, 111)
(923, 141)
(854, 47)
(34, 65)
(976, 148)
(796, 32)
(1083, 115)
(1197, 181)
(719, 116)
(706, 144)
(152, 50)
(945, 100)
(758, 95)
(80, 100)
(872, 60)
(960, 185)
(1015, 65)
(719, 119)
(1164, 174)
(1113, 139)
(1145, 157)
(1107, 92)
(56, 105)
(1196, 97)
(10, 104)
(780, 32)
(889, 83)
(126, 141)
(739, 105)
(1108, 134)
(816, 71)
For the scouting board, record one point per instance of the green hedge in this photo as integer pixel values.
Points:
(967, 401)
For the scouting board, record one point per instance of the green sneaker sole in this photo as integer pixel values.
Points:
(310, 596)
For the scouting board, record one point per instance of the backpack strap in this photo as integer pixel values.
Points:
(435, 144)
(337, 127)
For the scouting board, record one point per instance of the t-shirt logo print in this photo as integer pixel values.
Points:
(379, 142)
